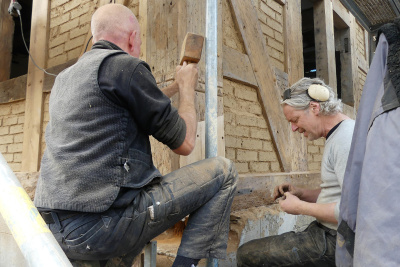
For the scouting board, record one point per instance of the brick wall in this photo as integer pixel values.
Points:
(362, 76)
(231, 35)
(247, 138)
(270, 15)
(315, 149)
(11, 133)
(69, 26)
(360, 37)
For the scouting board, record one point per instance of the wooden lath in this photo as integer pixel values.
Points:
(248, 24)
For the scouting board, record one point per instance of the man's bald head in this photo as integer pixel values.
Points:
(116, 23)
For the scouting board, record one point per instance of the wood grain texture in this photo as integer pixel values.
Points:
(269, 94)
(34, 90)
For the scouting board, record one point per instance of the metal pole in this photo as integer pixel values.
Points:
(211, 87)
(31, 233)
(211, 78)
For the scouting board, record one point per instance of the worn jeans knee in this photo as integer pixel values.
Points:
(312, 247)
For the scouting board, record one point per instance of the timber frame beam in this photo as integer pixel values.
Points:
(269, 93)
(34, 89)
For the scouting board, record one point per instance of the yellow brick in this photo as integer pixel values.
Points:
(69, 25)
(313, 149)
(17, 157)
(81, 30)
(230, 101)
(82, 9)
(71, 5)
(18, 107)
(10, 121)
(274, 24)
(76, 42)
(317, 158)
(246, 93)
(230, 153)
(267, 146)
(275, 6)
(56, 51)
(60, 39)
(56, 3)
(21, 119)
(267, 10)
(6, 139)
(260, 134)
(252, 144)
(313, 166)
(12, 148)
(267, 156)
(19, 138)
(5, 109)
(259, 166)
(8, 157)
(57, 60)
(278, 36)
(262, 17)
(231, 141)
(59, 20)
(19, 128)
(4, 130)
(242, 167)
(229, 118)
(3, 149)
(15, 167)
(236, 130)
(268, 31)
(247, 120)
(275, 167)
(246, 155)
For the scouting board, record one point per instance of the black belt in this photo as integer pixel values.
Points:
(330, 231)
(48, 218)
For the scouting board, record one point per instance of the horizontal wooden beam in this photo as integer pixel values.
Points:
(13, 89)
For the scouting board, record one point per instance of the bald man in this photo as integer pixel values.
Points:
(98, 190)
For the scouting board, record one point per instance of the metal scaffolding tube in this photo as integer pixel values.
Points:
(211, 82)
(211, 78)
(30, 232)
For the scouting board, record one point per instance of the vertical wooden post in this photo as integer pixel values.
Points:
(294, 67)
(6, 37)
(325, 42)
(34, 93)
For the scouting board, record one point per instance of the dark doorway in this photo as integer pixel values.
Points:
(307, 19)
(20, 57)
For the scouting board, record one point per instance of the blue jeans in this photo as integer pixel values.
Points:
(204, 190)
(315, 246)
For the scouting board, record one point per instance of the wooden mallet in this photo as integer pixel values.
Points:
(191, 48)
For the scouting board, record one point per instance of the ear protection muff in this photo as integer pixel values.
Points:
(316, 92)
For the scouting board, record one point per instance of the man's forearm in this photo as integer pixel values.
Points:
(187, 111)
(323, 212)
(310, 195)
(171, 89)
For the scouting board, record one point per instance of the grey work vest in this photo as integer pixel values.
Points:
(94, 146)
